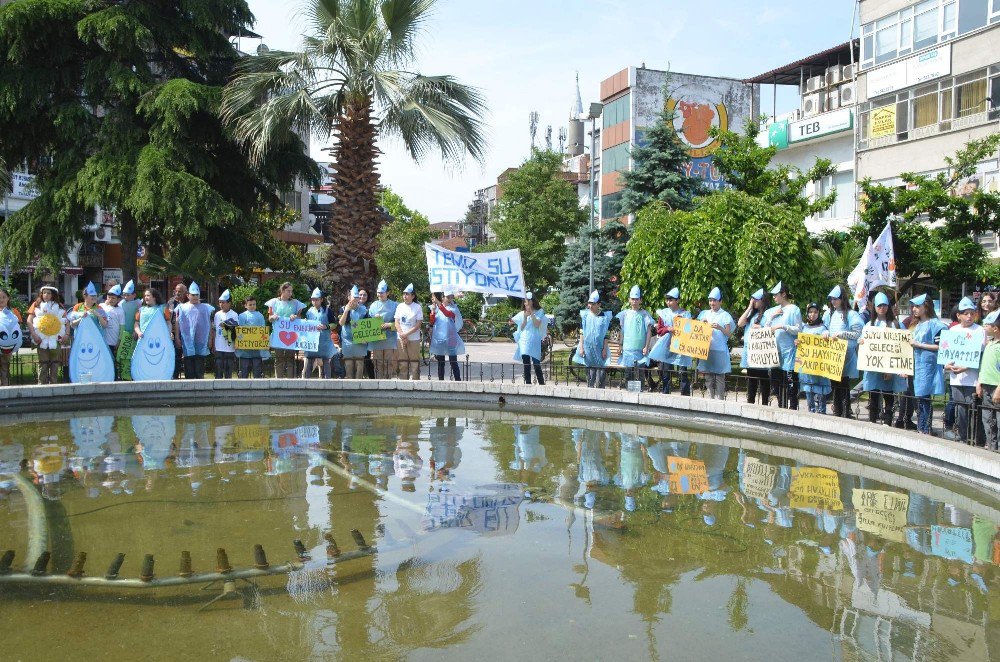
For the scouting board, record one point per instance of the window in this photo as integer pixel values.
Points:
(616, 159)
(886, 39)
(923, 25)
(843, 184)
(616, 112)
(994, 11)
(611, 205)
(925, 106)
(970, 94)
(972, 15)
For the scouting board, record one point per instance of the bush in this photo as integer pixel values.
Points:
(550, 302)
(470, 305)
(502, 312)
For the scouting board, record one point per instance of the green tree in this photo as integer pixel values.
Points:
(748, 167)
(653, 253)
(707, 258)
(935, 225)
(400, 255)
(537, 212)
(574, 272)
(351, 81)
(658, 173)
(836, 259)
(117, 104)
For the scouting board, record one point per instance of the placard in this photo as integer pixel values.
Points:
(367, 330)
(882, 513)
(300, 335)
(819, 356)
(490, 273)
(952, 542)
(251, 338)
(252, 436)
(887, 350)
(691, 338)
(963, 347)
(762, 348)
(295, 438)
(686, 476)
(815, 487)
(492, 510)
(883, 122)
(758, 478)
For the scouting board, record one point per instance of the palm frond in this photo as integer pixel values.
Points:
(403, 20)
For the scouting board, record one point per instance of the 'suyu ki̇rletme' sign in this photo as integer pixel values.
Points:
(883, 349)
(489, 273)
(762, 348)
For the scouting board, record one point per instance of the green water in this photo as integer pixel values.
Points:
(498, 536)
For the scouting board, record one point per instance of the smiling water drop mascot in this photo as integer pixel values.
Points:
(10, 333)
(153, 358)
(89, 354)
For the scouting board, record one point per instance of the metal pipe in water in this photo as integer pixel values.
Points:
(38, 530)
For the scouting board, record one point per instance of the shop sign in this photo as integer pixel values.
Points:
(883, 121)
(821, 125)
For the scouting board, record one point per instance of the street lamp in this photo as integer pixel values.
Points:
(596, 109)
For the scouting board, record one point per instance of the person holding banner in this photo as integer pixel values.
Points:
(758, 379)
(882, 386)
(224, 323)
(669, 361)
(408, 317)
(988, 384)
(384, 351)
(718, 365)
(637, 333)
(446, 321)
(786, 320)
(815, 387)
(251, 360)
(194, 332)
(964, 379)
(354, 354)
(532, 326)
(325, 318)
(928, 376)
(845, 324)
(593, 347)
(284, 307)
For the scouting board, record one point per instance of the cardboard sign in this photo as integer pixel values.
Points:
(491, 511)
(300, 335)
(686, 476)
(963, 347)
(251, 436)
(691, 338)
(885, 350)
(297, 438)
(952, 542)
(814, 487)
(252, 338)
(882, 513)
(367, 330)
(819, 356)
(758, 478)
(762, 348)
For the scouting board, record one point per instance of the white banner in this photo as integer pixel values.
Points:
(857, 280)
(883, 260)
(489, 273)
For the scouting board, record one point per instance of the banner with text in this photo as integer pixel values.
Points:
(819, 356)
(489, 273)
(882, 349)
(367, 330)
(691, 338)
(963, 347)
(762, 349)
(300, 335)
(882, 513)
(251, 338)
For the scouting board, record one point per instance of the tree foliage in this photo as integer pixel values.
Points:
(574, 272)
(116, 105)
(652, 255)
(936, 219)
(400, 255)
(536, 213)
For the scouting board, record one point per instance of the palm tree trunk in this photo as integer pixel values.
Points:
(354, 217)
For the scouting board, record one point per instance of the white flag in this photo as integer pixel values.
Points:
(857, 280)
(489, 273)
(883, 260)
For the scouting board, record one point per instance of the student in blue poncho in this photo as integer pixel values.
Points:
(384, 351)
(928, 376)
(284, 306)
(251, 360)
(446, 321)
(758, 379)
(637, 332)
(670, 362)
(963, 379)
(325, 318)
(786, 320)
(717, 365)
(882, 386)
(194, 329)
(845, 324)
(592, 349)
(816, 388)
(354, 353)
(531, 326)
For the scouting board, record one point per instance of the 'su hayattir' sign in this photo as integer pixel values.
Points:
(886, 350)
(489, 273)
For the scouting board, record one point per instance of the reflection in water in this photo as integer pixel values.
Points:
(622, 543)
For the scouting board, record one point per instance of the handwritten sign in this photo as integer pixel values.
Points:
(762, 349)
(301, 335)
(885, 350)
(367, 330)
(252, 338)
(952, 542)
(758, 478)
(823, 357)
(489, 273)
(492, 510)
(882, 513)
(691, 338)
(686, 476)
(295, 438)
(814, 487)
(251, 437)
(963, 347)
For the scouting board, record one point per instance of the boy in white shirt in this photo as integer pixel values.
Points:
(408, 318)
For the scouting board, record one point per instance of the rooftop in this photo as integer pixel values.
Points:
(793, 73)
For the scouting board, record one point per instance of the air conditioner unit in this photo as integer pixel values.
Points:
(833, 99)
(102, 233)
(812, 104)
(847, 97)
(849, 72)
(815, 83)
(833, 76)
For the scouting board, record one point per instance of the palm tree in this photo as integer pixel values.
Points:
(836, 264)
(351, 81)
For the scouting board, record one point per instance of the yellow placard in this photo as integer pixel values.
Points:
(885, 350)
(691, 338)
(882, 121)
(252, 436)
(686, 476)
(815, 487)
(252, 338)
(819, 356)
(882, 513)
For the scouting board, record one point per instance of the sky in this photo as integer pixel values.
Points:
(524, 56)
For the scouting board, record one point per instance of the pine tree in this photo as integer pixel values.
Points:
(574, 272)
(658, 172)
